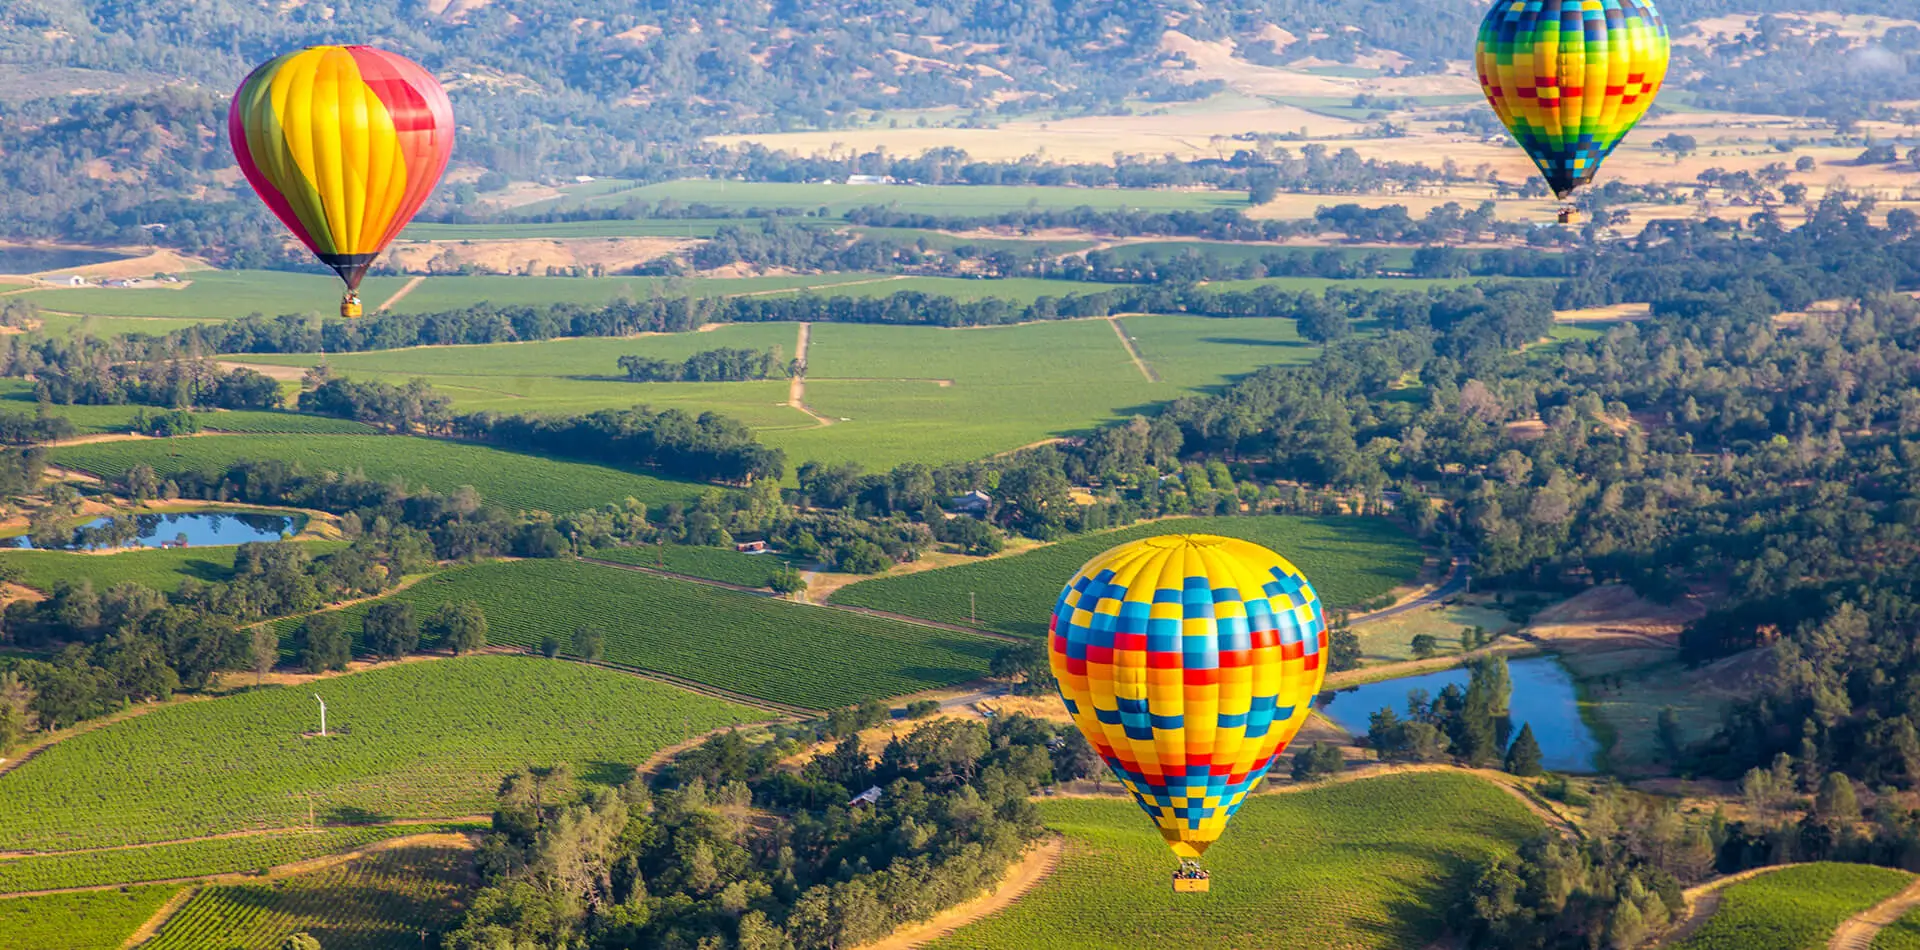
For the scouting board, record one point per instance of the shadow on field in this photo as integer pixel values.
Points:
(355, 815)
(608, 773)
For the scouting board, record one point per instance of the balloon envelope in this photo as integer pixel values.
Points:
(1570, 78)
(344, 143)
(1188, 661)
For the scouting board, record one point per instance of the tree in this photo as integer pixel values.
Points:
(1027, 665)
(1343, 647)
(787, 580)
(1318, 762)
(1425, 646)
(322, 643)
(460, 627)
(549, 646)
(1523, 757)
(16, 718)
(300, 941)
(389, 630)
(1836, 802)
(264, 651)
(589, 642)
(1677, 145)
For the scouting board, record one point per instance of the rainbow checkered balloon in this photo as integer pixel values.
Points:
(1570, 78)
(1188, 661)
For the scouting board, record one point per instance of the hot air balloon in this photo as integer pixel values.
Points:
(344, 143)
(1570, 78)
(1188, 661)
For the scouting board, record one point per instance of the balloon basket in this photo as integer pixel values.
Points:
(1188, 878)
(350, 306)
(1569, 215)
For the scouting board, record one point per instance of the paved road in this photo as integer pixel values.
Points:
(1459, 574)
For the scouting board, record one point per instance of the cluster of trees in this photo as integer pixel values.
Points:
(1470, 725)
(708, 447)
(415, 406)
(72, 374)
(681, 864)
(723, 365)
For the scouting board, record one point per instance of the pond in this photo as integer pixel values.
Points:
(196, 528)
(33, 260)
(1543, 695)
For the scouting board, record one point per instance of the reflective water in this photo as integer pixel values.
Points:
(1543, 695)
(196, 529)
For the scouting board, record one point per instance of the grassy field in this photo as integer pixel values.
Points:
(383, 901)
(1320, 284)
(564, 230)
(1349, 560)
(1364, 864)
(717, 564)
(162, 569)
(894, 393)
(746, 643)
(449, 293)
(1794, 908)
(507, 479)
(162, 862)
(216, 295)
(17, 396)
(415, 740)
(961, 200)
(1397, 258)
(1018, 290)
(1392, 638)
(100, 920)
(944, 241)
(1902, 934)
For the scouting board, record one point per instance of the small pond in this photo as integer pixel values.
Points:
(1543, 695)
(196, 528)
(33, 260)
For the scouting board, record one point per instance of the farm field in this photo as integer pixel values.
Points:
(943, 240)
(745, 643)
(507, 479)
(163, 569)
(100, 920)
(882, 386)
(1361, 864)
(1398, 258)
(383, 901)
(1795, 908)
(1321, 284)
(1349, 560)
(1902, 934)
(714, 564)
(206, 857)
(67, 324)
(449, 293)
(17, 396)
(564, 230)
(414, 740)
(216, 295)
(1391, 639)
(960, 200)
(1014, 290)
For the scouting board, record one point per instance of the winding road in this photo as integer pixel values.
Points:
(1459, 576)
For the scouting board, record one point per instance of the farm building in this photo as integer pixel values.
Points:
(751, 547)
(869, 797)
(972, 503)
(870, 180)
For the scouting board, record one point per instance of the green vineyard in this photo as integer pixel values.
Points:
(714, 564)
(96, 920)
(162, 569)
(1794, 908)
(1362, 865)
(415, 740)
(164, 862)
(395, 900)
(745, 643)
(1349, 560)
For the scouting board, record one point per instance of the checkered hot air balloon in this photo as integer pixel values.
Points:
(344, 143)
(1570, 78)
(1188, 661)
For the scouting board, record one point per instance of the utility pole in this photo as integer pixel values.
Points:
(323, 715)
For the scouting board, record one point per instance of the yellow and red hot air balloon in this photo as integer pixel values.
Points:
(1570, 78)
(1189, 662)
(344, 143)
